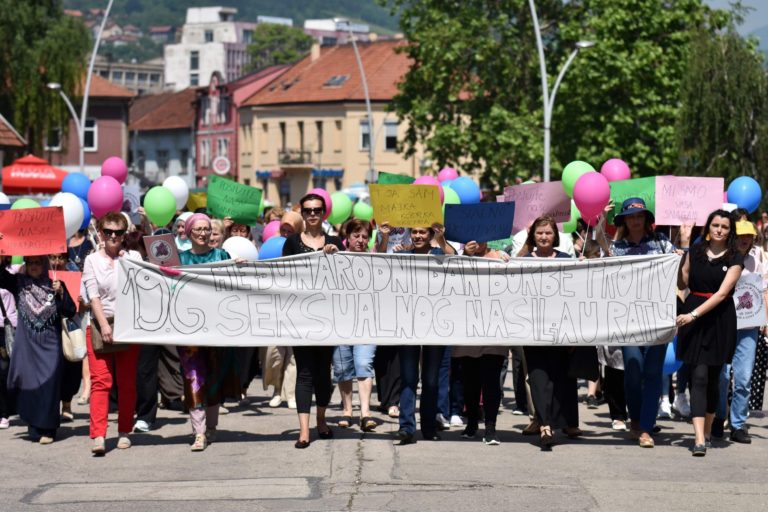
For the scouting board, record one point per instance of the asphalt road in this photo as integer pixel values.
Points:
(253, 466)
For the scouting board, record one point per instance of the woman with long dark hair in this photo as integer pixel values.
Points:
(707, 336)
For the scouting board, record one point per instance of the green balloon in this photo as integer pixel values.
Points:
(529, 182)
(572, 172)
(342, 208)
(570, 226)
(449, 197)
(362, 211)
(17, 260)
(372, 241)
(23, 204)
(159, 205)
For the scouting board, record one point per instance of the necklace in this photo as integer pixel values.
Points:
(78, 252)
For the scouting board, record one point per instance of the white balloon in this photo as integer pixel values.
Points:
(4, 199)
(241, 247)
(73, 211)
(179, 189)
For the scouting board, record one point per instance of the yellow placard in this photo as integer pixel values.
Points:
(197, 200)
(406, 206)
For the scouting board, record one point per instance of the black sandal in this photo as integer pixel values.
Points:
(301, 444)
(328, 434)
(345, 422)
(368, 424)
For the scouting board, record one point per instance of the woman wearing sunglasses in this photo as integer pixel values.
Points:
(34, 376)
(313, 364)
(100, 278)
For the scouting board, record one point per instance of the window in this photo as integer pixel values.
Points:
(104, 73)
(194, 60)
(337, 138)
(130, 76)
(53, 140)
(390, 135)
(265, 187)
(184, 159)
(301, 135)
(319, 182)
(282, 136)
(247, 181)
(222, 147)
(154, 78)
(205, 153)
(194, 79)
(319, 128)
(209, 36)
(140, 160)
(264, 137)
(365, 134)
(142, 77)
(117, 76)
(336, 81)
(90, 135)
(162, 159)
(247, 36)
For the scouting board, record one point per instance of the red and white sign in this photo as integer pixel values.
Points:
(221, 165)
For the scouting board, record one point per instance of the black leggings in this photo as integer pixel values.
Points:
(482, 374)
(705, 389)
(613, 390)
(313, 373)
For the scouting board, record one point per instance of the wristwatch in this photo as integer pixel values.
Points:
(694, 314)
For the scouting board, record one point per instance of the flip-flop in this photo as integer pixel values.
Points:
(345, 422)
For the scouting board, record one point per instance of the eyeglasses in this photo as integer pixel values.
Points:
(312, 211)
(200, 231)
(113, 232)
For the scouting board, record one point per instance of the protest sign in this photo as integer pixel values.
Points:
(750, 303)
(197, 200)
(131, 198)
(500, 245)
(71, 280)
(685, 200)
(536, 199)
(406, 206)
(397, 299)
(32, 231)
(644, 188)
(161, 250)
(227, 198)
(480, 222)
(388, 178)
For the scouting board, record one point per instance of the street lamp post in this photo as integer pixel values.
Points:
(549, 100)
(371, 140)
(55, 86)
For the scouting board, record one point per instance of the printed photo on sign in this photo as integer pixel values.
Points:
(750, 305)
(161, 250)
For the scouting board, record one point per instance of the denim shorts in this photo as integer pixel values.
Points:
(353, 361)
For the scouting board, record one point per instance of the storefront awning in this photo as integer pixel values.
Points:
(32, 175)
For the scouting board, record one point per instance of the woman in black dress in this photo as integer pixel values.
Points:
(553, 392)
(707, 336)
(313, 364)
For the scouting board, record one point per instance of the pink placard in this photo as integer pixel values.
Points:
(537, 199)
(683, 200)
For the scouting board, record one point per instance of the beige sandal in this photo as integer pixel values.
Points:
(123, 442)
(199, 444)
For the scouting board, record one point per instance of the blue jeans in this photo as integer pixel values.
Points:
(742, 365)
(450, 394)
(431, 357)
(643, 381)
(350, 361)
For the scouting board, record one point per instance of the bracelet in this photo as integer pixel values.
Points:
(694, 314)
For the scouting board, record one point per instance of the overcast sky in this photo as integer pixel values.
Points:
(755, 19)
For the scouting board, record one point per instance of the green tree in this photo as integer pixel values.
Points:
(277, 44)
(723, 122)
(38, 44)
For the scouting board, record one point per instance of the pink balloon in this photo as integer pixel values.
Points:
(447, 173)
(270, 230)
(431, 180)
(725, 196)
(115, 168)
(591, 193)
(615, 169)
(105, 195)
(326, 197)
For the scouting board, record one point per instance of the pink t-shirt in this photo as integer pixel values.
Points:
(100, 277)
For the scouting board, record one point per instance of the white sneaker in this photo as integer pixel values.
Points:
(276, 401)
(141, 426)
(456, 421)
(681, 405)
(442, 422)
(4, 423)
(665, 408)
(291, 404)
(619, 425)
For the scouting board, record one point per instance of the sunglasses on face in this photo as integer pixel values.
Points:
(113, 232)
(312, 211)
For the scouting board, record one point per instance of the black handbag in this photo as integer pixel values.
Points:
(9, 334)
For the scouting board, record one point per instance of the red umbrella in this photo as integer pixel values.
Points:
(30, 175)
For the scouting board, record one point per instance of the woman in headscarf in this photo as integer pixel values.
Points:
(34, 376)
(210, 373)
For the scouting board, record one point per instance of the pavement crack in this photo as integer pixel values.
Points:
(358, 474)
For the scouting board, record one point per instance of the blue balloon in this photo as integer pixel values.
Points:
(467, 189)
(272, 248)
(86, 214)
(447, 183)
(76, 183)
(671, 363)
(45, 202)
(745, 193)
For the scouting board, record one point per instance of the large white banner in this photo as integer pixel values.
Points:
(387, 299)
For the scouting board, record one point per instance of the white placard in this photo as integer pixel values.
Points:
(750, 304)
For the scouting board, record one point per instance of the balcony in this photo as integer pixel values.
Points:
(294, 158)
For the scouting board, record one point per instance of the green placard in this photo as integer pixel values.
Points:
(388, 178)
(644, 188)
(500, 245)
(227, 198)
